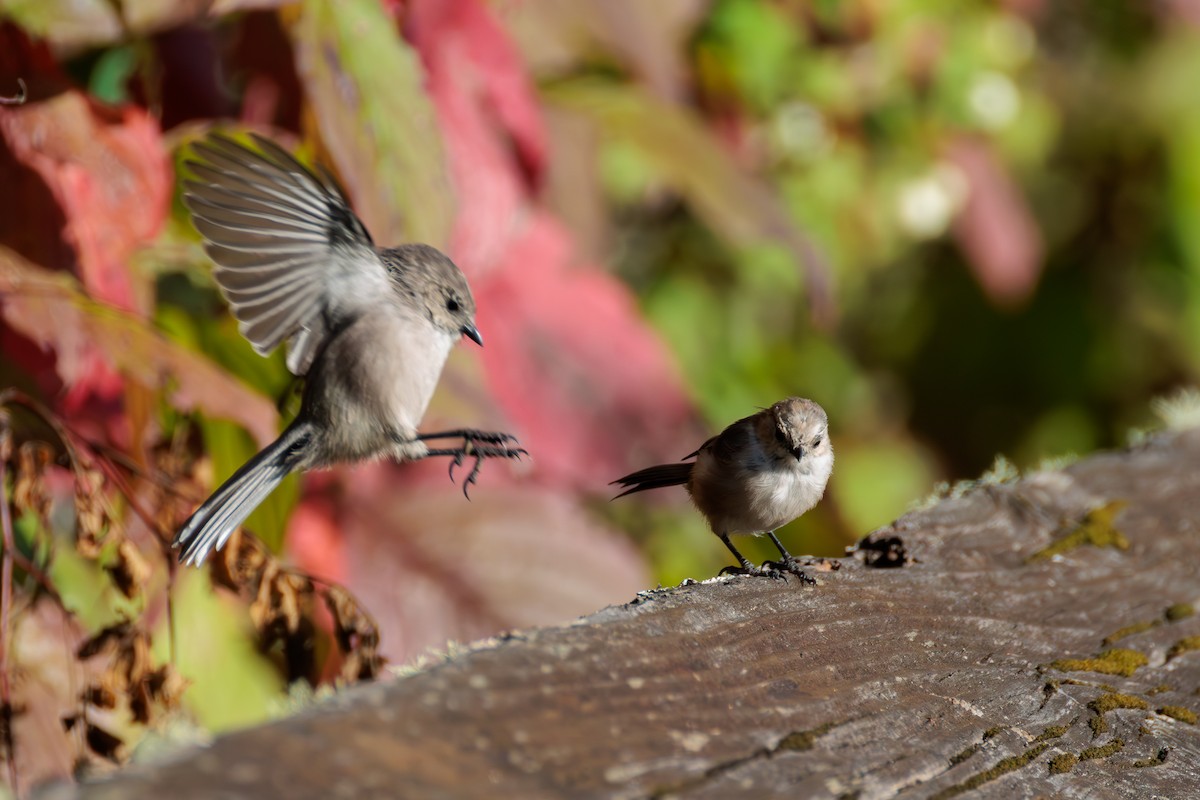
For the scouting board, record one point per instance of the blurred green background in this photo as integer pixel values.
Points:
(1005, 197)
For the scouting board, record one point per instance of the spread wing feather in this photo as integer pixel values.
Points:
(291, 255)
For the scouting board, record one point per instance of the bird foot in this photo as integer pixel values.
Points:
(776, 570)
(765, 571)
(478, 445)
(792, 566)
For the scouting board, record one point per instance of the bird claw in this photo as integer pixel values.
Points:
(479, 445)
(752, 571)
(775, 570)
(790, 566)
(479, 454)
(456, 461)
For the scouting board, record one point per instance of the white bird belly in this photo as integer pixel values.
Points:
(760, 499)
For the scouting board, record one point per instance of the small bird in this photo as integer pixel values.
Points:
(369, 328)
(761, 472)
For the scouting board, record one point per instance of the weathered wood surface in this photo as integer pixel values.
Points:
(928, 680)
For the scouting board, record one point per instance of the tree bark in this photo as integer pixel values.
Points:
(1032, 638)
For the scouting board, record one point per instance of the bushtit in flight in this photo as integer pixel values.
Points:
(369, 328)
(758, 474)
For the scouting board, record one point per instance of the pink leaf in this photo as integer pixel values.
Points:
(583, 378)
(486, 108)
(995, 228)
(108, 171)
(460, 39)
(586, 382)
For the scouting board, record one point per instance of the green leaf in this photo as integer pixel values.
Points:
(69, 24)
(111, 74)
(231, 684)
(683, 154)
(758, 43)
(368, 102)
(875, 482)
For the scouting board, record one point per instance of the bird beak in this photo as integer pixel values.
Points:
(798, 452)
(472, 333)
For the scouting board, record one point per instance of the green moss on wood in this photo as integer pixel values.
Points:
(1005, 766)
(800, 741)
(1183, 645)
(1053, 732)
(1096, 530)
(1102, 752)
(1117, 661)
(963, 755)
(1158, 758)
(1063, 763)
(1107, 702)
(1111, 700)
(1180, 713)
(1130, 630)
(1179, 611)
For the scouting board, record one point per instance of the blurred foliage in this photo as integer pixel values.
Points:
(965, 228)
(940, 357)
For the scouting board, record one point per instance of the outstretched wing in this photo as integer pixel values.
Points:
(292, 258)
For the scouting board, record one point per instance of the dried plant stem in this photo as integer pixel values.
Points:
(172, 651)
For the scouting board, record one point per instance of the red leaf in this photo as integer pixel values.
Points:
(583, 378)
(461, 42)
(487, 109)
(109, 171)
(995, 228)
(586, 382)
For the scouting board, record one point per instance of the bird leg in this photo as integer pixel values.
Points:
(787, 562)
(746, 567)
(475, 444)
(468, 434)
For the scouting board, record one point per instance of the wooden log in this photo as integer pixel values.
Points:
(1033, 638)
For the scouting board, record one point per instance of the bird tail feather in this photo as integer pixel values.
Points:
(211, 525)
(654, 477)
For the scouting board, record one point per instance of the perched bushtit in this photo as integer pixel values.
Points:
(758, 474)
(369, 328)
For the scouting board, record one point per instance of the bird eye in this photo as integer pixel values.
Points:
(451, 305)
(817, 442)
